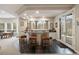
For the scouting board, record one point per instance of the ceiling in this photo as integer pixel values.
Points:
(8, 10)
(10, 7)
(46, 13)
(48, 10)
(4, 14)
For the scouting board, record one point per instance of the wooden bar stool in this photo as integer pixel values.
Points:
(33, 41)
(23, 43)
(33, 44)
(45, 42)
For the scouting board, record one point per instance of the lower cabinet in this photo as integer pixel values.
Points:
(52, 35)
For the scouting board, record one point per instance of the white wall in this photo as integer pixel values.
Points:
(77, 26)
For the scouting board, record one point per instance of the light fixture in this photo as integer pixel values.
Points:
(37, 12)
(25, 14)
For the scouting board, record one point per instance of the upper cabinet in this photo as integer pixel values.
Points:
(38, 25)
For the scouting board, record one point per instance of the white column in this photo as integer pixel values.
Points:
(48, 25)
(43, 26)
(17, 25)
(5, 29)
(31, 24)
(11, 26)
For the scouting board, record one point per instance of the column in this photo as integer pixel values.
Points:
(5, 29)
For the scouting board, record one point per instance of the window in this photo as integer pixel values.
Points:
(69, 25)
(66, 28)
(14, 27)
(46, 25)
(2, 26)
(8, 27)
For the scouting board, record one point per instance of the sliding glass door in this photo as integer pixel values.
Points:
(62, 28)
(66, 28)
(68, 23)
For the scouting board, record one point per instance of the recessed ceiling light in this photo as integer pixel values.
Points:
(37, 12)
(25, 14)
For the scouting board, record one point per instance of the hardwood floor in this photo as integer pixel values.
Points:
(10, 46)
(55, 48)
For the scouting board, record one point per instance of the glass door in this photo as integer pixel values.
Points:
(66, 28)
(68, 23)
(62, 28)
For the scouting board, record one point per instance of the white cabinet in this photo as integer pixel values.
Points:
(38, 25)
(53, 35)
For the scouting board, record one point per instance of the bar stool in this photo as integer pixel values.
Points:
(33, 43)
(23, 43)
(45, 42)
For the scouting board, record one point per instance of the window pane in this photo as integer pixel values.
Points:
(62, 24)
(14, 25)
(46, 25)
(1, 25)
(8, 25)
(69, 25)
(40, 25)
